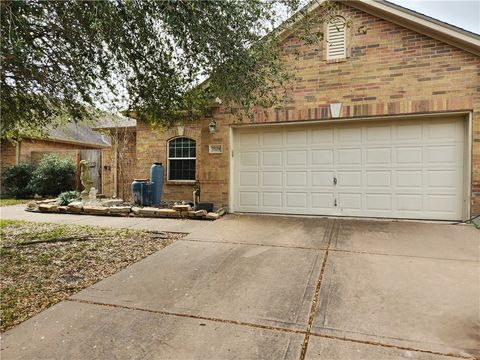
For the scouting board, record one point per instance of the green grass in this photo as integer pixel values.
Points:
(7, 202)
(43, 263)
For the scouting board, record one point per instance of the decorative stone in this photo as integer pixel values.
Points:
(111, 202)
(32, 206)
(199, 213)
(62, 209)
(119, 210)
(221, 211)
(46, 201)
(95, 210)
(75, 207)
(182, 207)
(135, 210)
(212, 216)
(147, 211)
(48, 207)
(166, 213)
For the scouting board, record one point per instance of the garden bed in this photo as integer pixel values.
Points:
(114, 207)
(44, 263)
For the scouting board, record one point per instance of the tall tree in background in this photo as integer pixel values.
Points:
(62, 58)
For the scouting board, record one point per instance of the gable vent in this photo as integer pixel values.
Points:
(336, 39)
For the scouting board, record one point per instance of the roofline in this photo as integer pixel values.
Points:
(409, 19)
(413, 20)
(73, 142)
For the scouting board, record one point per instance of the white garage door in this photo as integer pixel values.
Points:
(402, 169)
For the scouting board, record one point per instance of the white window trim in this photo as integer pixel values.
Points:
(344, 55)
(180, 158)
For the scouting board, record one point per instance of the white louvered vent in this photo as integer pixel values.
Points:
(336, 39)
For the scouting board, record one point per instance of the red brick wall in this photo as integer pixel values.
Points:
(389, 70)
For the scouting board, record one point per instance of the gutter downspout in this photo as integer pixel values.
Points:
(17, 152)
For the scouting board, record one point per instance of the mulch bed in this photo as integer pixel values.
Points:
(43, 263)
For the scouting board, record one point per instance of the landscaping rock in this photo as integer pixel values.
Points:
(221, 211)
(62, 209)
(135, 210)
(167, 213)
(111, 202)
(32, 206)
(212, 216)
(95, 210)
(75, 207)
(182, 207)
(48, 207)
(147, 211)
(200, 213)
(120, 210)
(46, 201)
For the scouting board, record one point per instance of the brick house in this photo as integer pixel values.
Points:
(383, 121)
(67, 141)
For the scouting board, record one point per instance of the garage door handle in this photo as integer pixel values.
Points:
(334, 180)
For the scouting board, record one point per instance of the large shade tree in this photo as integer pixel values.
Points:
(63, 58)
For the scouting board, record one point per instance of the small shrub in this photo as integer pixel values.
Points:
(53, 176)
(16, 179)
(67, 197)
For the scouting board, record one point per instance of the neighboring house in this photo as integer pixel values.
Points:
(383, 121)
(73, 141)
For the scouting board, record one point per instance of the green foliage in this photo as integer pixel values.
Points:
(53, 176)
(16, 179)
(60, 58)
(67, 197)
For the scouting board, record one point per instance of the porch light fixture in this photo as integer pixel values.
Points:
(212, 127)
(335, 109)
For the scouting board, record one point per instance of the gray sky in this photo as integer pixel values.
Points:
(461, 13)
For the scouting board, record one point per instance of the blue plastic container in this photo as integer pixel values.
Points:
(137, 191)
(156, 177)
(147, 193)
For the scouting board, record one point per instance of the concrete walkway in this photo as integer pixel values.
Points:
(267, 287)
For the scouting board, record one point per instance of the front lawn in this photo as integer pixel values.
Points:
(43, 263)
(7, 202)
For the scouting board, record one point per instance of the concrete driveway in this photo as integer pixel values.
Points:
(268, 287)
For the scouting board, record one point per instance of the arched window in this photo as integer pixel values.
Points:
(336, 39)
(182, 157)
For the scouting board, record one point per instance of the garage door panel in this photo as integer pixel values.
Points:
(273, 139)
(322, 136)
(322, 157)
(323, 200)
(249, 159)
(405, 169)
(272, 178)
(297, 137)
(409, 178)
(349, 201)
(249, 198)
(272, 158)
(296, 157)
(296, 200)
(379, 133)
(351, 156)
(272, 199)
(379, 156)
(377, 178)
(322, 178)
(409, 132)
(349, 178)
(296, 178)
(249, 178)
(378, 202)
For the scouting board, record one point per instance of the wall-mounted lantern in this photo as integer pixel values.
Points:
(212, 127)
